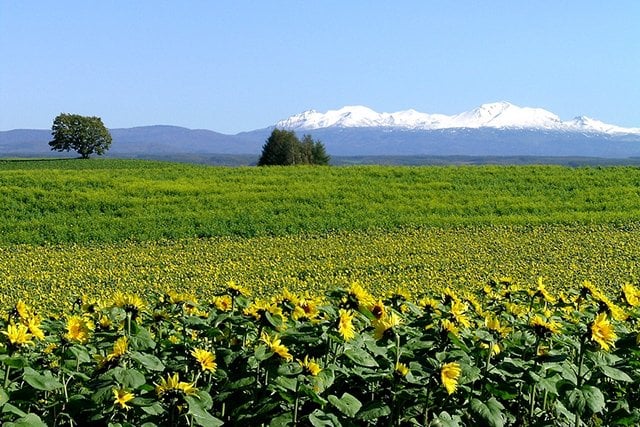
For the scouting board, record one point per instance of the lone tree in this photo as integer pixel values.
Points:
(85, 135)
(284, 148)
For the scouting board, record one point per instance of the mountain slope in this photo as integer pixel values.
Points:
(493, 115)
(496, 129)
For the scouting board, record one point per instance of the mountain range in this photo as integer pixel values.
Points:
(494, 129)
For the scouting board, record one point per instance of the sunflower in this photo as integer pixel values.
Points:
(477, 306)
(449, 375)
(448, 326)
(493, 324)
(131, 304)
(385, 324)
(364, 298)
(194, 310)
(459, 310)
(307, 308)
(287, 300)
(631, 294)
(449, 296)
(602, 332)
(120, 347)
(378, 310)
(22, 310)
(223, 303)
(206, 359)
(543, 293)
(121, 397)
(178, 297)
(401, 369)
(18, 334)
(79, 329)
(589, 288)
(544, 328)
(429, 304)
(172, 385)
(34, 327)
(310, 366)
(276, 346)
(495, 348)
(236, 290)
(345, 325)
(258, 308)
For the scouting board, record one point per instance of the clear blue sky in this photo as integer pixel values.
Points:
(231, 66)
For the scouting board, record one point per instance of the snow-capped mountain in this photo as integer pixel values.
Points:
(497, 115)
(498, 129)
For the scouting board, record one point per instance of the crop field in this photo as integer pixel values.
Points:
(106, 201)
(151, 293)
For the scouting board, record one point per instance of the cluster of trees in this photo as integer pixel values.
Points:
(284, 148)
(88, 135)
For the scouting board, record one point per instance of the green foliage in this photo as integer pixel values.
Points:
(115, 200)
(445, 359)
(83, 134)
(284, 148)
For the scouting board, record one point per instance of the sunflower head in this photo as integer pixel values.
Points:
(449, 327)
(223, 303)
(493, 324)
(21, 311)
(378, 310)
(171, 388)
(345, 325)
(307, 308)
(33, 324)
(631, 294)
(235, 290)
(131, 304)
(275, 345)
(543, 328)
(120, 347)
(542, 292)
(384, 326)
(121, 397)
(18, 335)
(310, 366)
(206, 359)
(360, 296)
(603, 332)
(449, 375)
(401, 369)
(79, 329)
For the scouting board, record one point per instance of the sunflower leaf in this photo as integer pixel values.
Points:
(41, 382)
(200, 415)
(149, 361)
(347, 404)
(361, 357)
(490, 412)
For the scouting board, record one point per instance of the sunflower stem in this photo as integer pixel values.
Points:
(6, 376)
(128, 323)
(579, 376)
(295, 405)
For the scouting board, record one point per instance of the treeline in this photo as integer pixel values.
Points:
(284, 148)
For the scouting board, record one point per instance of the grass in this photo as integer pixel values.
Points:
(102, 201)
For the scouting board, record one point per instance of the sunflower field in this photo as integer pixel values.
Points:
(513, 355)
(152, 294)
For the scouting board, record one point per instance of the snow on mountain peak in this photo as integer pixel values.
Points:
(491, 115)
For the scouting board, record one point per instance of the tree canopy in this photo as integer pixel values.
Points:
(83, 134)
(284, 148)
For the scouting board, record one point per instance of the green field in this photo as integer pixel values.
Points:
(96, 226)
(104, 201)
(172, 294)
